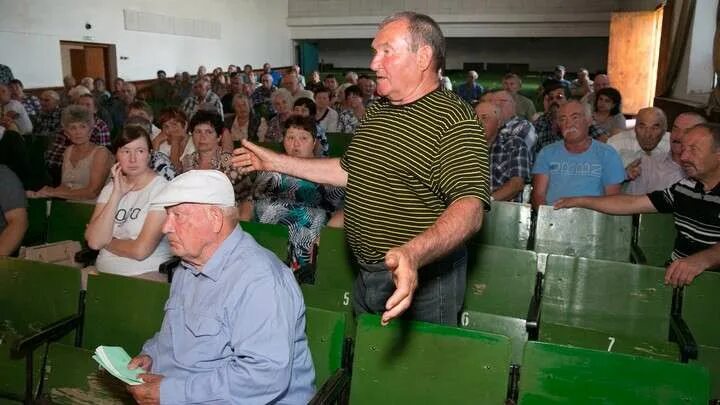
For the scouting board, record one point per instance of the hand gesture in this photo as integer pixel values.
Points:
(142, 361)
(405, 275)
(683, 271)
(251, 157)
(147, 393)
(633, 170)
(121, 184)
(569, 202)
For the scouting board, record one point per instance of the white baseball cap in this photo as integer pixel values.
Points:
(198, 187)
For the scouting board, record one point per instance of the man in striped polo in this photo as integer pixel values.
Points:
(695, 203)
(417, 179)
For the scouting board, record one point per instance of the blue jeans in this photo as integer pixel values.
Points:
(438, 298)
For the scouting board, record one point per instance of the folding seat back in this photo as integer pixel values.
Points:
(273, 237)
(570, 375)
(506, 224)
(37, 211)
(336, 267)
(415, 362)
(68, 221)
(699, 311)
(326, 338)
(338, 143)
(654, 239)
(585, 233)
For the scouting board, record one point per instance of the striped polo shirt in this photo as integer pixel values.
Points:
(696, 214)
(406, 164)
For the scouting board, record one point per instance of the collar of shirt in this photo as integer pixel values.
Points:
(214, 267)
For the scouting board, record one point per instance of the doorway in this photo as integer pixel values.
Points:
(88, 59)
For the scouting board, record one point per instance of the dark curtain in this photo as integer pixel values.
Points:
(674, 41)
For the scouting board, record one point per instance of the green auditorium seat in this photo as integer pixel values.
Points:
(120, 311)
(331, 299)
(336, 268)
(506, 224)
(274, 146)
(37, 221)
(68, 220)
(581, 232)
(654, 239)
(326, 340)
(605, 305)
(273, 237)
(34, 296)
(500, 285)
(554, 374)
(700, 312)
(338, 143)
(421, 363)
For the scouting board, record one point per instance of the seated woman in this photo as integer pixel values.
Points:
(206, 128)
(85, 166)
(282, 102)
(243, 125)
(123, 227)
(173, 140)
(607, 113)
(303, 206)
(349, 118)
(305, 107)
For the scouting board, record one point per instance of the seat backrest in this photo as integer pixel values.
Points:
(500, 280)
(338, 143)
(37, 221)
(416, 362)
(68, 220)
(336, 267)
(506, 224)
(618, 298)
(326, 334)
(656, 237)
(273, 237)
(123, 311)
(35, 294)
(699, 303)
(563, 374)
(274, 146)
(581, 232)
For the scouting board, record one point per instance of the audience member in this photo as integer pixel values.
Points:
(510, 123)
(367, 87)
(122, 227)
(301, 78)
(607, 114)
(218, 82)
(524, 107)
(6, 74)
(303, 206)
(315, 82)
(48, 121)
(236, 87)
(100, 134)
(305, 107)
(69, 83)
(694, 202)
(291, 84)
(13, 207)
(331, 84)
(161, 90)
(142, 109)
(13, 115)
(85, 165)
(601, 81)
(159, 162)
(182, 89)
(649, 137)
(558, 75)
(470, 91)
(118, 86)
(351, 77)
(509, 156)
(206, 128)
(248, 76)
(350, 118)
(14, 155)
(120, 102)
(282, 102)
(244, 124)
(582, 85)
(276, 76)
(202, 99)
(30, 102)
(262, 97)
(326, 117)
(102, 96)
(234, 326)
(445, 82)
(577, 165)
(88, 83)
(658, 172)
(174, 140)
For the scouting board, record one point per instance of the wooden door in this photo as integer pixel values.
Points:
(77, 63)
(95, 62)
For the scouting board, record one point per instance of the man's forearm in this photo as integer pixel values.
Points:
(459, 221)
(710, 257)
(11, 237)
(621, 204)
(323, 171)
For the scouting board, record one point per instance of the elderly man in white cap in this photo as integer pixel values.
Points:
(234, 326)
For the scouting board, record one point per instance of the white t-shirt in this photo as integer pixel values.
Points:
(626, 144)
(129, 220)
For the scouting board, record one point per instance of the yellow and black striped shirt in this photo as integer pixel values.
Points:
(405, 165)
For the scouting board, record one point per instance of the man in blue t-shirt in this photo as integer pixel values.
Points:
(577, 165)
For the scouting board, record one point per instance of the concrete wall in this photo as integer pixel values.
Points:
(251, 31)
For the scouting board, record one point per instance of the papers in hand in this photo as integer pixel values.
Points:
(115, 360)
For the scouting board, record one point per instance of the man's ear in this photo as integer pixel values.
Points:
(215, 216)
(424, 57)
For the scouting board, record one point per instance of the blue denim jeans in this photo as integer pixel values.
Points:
(438, 298)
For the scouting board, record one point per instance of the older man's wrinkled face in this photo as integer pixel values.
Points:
(601, 81)
(200, 88)
(331, 83)
(555, 99)
(506, 103)
(396, 65)
(236, 84)
(267, 81)
(649, 129)
(188, 230)
(573, 122)
(47, 102)
(700, 157)
(486, 112)
(680, 127)
(512, 85)
(290, 83)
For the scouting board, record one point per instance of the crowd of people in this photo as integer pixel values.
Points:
(424, 164)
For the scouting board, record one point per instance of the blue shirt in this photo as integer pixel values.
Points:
(234, 333)
(578, 174)
(469, 93)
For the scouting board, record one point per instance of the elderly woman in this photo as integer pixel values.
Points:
(173, 140)
(607, 113)
(282, 102)
(303, 206)
(243, 125)
(85, 165)
(127, 233)
(206, 128)
(349, 119)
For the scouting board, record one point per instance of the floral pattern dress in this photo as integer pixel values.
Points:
(222, 161)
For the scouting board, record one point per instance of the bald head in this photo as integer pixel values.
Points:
(601, 81)
(650, 126)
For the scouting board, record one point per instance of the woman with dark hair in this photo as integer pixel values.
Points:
(244, 124)
(206, 128)
(305, 207)
(174, 140)
(607, 115)
(349, 118)
(123, 227)
(305, 107)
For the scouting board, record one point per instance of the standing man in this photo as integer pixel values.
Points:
(414, 198)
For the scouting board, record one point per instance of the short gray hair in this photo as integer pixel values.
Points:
(423, 31)
(74, 113)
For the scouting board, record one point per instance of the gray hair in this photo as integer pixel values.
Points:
(712, 129)
(423, 30)
(284, 94)
(77, 114)
(52, 94)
